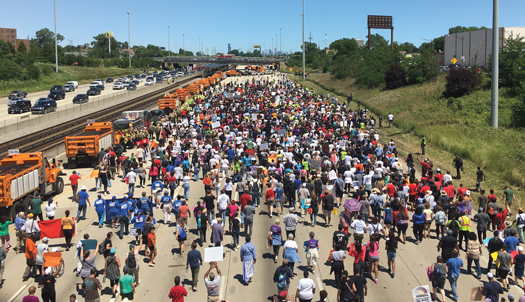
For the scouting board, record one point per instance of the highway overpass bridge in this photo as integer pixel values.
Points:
(233, 61)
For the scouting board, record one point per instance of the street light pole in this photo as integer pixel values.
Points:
(199, 45)
(495, 66)
(56, 47)
(183, 47)
(169, 49)
(303, 45)
(281, 42)
(129, 41)
(276, 43)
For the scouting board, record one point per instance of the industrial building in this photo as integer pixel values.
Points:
(475, 47)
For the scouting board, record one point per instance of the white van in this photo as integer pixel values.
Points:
(95, 83)
(74, 83)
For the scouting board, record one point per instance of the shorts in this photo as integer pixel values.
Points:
(373, 258)
(391, 256)
(327, 213)
(278, 202)
(338, 194)
(213, 299)
(128, 295)
(502, 273)
(145, 240)
(151, 248)
(358, 237)
(113, 282)
(438, 284)
(412, 198)
(519, 273)
(311, 256)
(270, 203)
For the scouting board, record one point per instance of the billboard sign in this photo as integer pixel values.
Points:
(375, 21)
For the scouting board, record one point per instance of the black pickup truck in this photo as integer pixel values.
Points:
(17, 94)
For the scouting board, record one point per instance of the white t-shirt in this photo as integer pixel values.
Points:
(390, 117)
(223, 201)
(306, 286)
(359, 226)
(50, 210)
(291, 244)
(371, 228)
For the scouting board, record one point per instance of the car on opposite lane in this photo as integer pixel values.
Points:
(80, 98)
(43, 106)
(17, 94)
(19, 106)
(57, 95)
(93, 91)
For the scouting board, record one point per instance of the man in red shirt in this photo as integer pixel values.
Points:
(461, 190)
(412, 191)
(499, 219)
(391, 188)
(178, 292)
(74, 178)
(451, 191)
(492, 195)
(184, 212)
(439, 175)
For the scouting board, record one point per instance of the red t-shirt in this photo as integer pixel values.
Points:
(244, 200)
(183, 211)
(424, 189)
(151, 239)
(492, 195)
(177, 294)
(391, 189)
(74, 179)
(440, 176)
(462, 190)
(270, 194)
(450, 190)
(412, 189)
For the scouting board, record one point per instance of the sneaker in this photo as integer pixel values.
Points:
(375, 281)
(235, 249)
(151, 264)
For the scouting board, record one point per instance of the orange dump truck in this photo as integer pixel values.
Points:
(169, 102)
(183, 93)
(23, 175)
(194, 88)
(83, 148)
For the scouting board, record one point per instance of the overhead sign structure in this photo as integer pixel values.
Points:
(256, 46)
(109, 35)
(381, 22)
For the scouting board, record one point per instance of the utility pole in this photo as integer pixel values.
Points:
(169, 49)
(56, 46)
(281, 42)
(310, 38)
(303, 45)
(129, 41)
(276, 43)
(495, 66)
(325, 42)
(183, 47)
(272, 45)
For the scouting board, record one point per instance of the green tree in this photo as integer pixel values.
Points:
(45, 36)
(22, 47)
(345, 47)
(462, 29)
(9, 70)
(395, 77)
(33, 72)
(422, 68)
(377, 41)
(406, 47)
(512, 64)
(460, 82)
(100, 47)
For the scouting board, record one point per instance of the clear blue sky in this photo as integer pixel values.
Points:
(243, 23)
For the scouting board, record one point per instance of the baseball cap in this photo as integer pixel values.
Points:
(490, 275)
(125, 269)
(283, 294)
(511, 297)
(520, 249)
(45, 239)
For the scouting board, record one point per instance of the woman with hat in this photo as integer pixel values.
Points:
(112, 271)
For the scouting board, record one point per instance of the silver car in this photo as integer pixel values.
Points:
(69, 88)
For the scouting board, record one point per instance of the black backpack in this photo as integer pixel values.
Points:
(132, 261)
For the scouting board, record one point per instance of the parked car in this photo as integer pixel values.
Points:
(57, 95)
(101, 87)
(109, 80)
(19, 106)
(44, 105)
(74, 83)
(80, 98)
(132, 86)
(56, 87)
(69, 88)
(93, 91)
(118, 86)
(17, 94)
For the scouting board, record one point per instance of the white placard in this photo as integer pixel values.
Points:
(345, 123)
(13, 151)
(213, 254)
(273, 93)
(332, 175)
(421, 294)
(254, 116)
(263, 146)
(215, 125)
(135, 231)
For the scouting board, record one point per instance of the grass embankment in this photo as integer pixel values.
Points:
(82, 75)
(450, 126)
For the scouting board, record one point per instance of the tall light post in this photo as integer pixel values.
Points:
(199, 46)
(281, 42)
(183, 46)
(56, 47)
(129, 41)
(495, 66)
(276, 43)
(303, 45)
(169, 49)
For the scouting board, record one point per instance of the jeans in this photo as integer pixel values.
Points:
(418, 231)
(186, 190)
(131, 189)
(235, 235)
(440, 229)
(195, 276)
(101, 217)
(142, 181)
(222, 213)
(422, 150)
(469, 265)
(211, 215)
(123, 225)
(453, 284)
(520, 233)
(196, 174)
(81, 208)
(313, 218)
(463, 235)
(256, 198)
(242, 217)
(377, 213)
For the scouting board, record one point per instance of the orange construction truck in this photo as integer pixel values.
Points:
(169, 102)
(83, 148)
(21, 176)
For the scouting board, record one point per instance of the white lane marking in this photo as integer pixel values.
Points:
(13, 297)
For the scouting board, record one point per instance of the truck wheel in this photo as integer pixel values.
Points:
(27, 201)
(59, 185)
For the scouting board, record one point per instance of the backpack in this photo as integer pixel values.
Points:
(102, 247)
(281, 282)
(388, 217)
(521, 221)
(440, 272)
(182, 234)
(132, 261)
(454, 225)
(440, 219)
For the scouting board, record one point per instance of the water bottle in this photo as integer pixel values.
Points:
(104, 279)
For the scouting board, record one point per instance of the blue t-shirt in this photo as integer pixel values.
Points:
(144, 204)
(114, 206)
(231, 154)
(165, 199)
(512, 242)
(132, 204)
(124, 207)
(83, 195)
(157, 185)
(100, 205)
(454, 266)
(418, 219)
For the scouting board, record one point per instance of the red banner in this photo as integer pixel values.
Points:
(52, 229)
